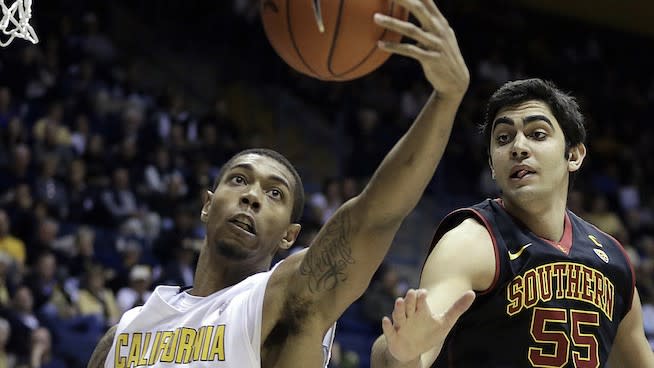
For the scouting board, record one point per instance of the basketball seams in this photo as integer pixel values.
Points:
(370, 53)
(350, 52)
(368, 56)
(294, 42)
(332, 46)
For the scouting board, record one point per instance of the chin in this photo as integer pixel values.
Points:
(231, 250)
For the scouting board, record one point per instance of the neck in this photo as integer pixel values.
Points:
(546, 219)
(215, 272)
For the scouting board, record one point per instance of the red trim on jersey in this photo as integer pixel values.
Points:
(631, 267)
(564, 244)
(495, 249)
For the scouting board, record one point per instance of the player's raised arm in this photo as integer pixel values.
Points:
(343, 257)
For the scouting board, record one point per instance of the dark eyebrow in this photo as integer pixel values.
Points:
(526, 120)
(276, 178)
(532, 118)
(502, 120)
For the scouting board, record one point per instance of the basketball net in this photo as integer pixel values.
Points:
(15, 21)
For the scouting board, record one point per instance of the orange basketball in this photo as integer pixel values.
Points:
(347, 46)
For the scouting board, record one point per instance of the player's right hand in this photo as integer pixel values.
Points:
(436, 47)
(415, 330)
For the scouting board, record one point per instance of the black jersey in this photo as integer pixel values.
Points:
(548, 306)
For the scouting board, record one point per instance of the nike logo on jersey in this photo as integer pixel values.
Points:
(594, 240)
(513, 256)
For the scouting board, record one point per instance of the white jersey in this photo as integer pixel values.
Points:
(174, 327)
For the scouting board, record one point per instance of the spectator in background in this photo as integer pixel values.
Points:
(9, 244)
(46, 235)
(96, 160)
(8, 279)
(180, 268)
(83, 256)
(95, 299)
(50, 190)
(22, 321)
(327, 201)
(7, 108)
(82, 134)
(604, 218)
(41, 354)
(7, 359)
(19, 170)
(20, 209)
(138, 291)
(50, 299)
(130, 252)
(52, 121)
(119, 200)
(379, 299)
(82, 201)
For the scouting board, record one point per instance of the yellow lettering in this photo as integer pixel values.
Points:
(169, 354)
(154, 353)
(545, 282)
(165, 346)
(207, 343)
(218, 347)
(609, 299)
(531, 293)
(573, 281)
(560, 272)
(587, 286)
(121, 340)
(186, 340)
(134, 350)
(197, 344)
(144, 350)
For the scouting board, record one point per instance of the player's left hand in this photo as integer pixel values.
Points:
(415, 330)
(437, 49)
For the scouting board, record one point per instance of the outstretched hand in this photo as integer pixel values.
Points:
(437, 49)
(415, 330)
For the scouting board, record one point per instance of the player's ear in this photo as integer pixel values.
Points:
(576, 155)
(292, 231)
(204, 215)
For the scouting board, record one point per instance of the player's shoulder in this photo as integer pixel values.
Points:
(469, 231)
(465, 251)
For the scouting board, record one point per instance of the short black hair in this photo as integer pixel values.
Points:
(298, 190)
(563, 106)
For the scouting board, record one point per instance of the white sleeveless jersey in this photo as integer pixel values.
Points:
(221, 330)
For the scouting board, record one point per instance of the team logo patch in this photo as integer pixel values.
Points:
(600, 253)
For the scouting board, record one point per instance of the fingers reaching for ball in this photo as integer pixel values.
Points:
(434, 45)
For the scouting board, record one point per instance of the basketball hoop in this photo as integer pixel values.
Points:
(15, 21)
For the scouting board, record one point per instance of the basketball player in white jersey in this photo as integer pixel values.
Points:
(239, 313)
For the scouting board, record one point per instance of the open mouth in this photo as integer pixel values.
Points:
(245, 224)
(519, 174)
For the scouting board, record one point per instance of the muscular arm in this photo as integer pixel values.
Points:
(102, 349)
(630, 347)
(344, 255)
(462, 260)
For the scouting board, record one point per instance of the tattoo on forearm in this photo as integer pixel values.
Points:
(326, 263)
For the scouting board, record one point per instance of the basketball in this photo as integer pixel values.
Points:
(332, 40)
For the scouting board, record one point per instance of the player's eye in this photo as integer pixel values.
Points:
(502, 139)
(539, 135)
(238, 180)
(275, 193)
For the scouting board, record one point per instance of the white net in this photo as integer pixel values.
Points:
(15, 22)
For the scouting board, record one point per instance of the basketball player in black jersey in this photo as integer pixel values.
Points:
(551, 289)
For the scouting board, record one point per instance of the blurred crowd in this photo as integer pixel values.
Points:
(102, 179)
